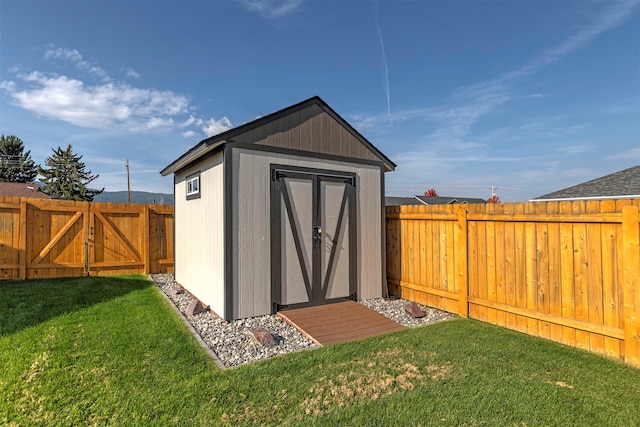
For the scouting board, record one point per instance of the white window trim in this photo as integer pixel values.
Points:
(189, 181)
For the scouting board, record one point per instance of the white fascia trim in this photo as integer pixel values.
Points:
(420, 200)
(193, 156)
(570, 199)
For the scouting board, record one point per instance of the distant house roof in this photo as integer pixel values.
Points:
(624, 184)
(443, 200)
(402, 201)
(430, 200)
(18, 189)
(214, 142)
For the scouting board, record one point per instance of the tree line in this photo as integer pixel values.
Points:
(63, 175)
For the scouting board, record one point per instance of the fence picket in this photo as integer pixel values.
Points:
(569, 272)
(631, 283)
(555, 271)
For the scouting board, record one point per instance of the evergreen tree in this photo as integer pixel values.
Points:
(15, 164)
(66, 178)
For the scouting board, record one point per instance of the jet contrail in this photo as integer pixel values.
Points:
(384, 60)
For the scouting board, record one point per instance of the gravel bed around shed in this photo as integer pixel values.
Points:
(233, 345)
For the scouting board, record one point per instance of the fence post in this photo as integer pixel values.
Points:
(87, 236)
(631, 283)
(462, 252)
(146, 244)
(22, 239)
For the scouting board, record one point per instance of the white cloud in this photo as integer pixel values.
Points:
(271, 9)
(99, 106)
(573, 150)
(191, 120)
(631, 154)
(213, 127)
(105, 105)
(8, 86)
(576, 172)
(455, 122)
(380, 121)
(63, 53)
(73, 56)
(157, 122)
(131, 73)
(611, 17)
(94, 71)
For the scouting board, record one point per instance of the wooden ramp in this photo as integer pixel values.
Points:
(339, 322)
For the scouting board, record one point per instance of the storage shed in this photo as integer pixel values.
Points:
(283, 212)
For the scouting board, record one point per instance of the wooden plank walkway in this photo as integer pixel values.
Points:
(339, 322)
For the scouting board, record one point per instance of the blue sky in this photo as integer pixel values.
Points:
(529, 96)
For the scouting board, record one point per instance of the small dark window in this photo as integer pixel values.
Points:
(193, 186)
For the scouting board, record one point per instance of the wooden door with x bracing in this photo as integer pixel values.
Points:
(313, 237)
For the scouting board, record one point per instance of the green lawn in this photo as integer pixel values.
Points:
(98, 351)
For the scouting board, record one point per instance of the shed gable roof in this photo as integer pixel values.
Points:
(621, 184)
(309, 126)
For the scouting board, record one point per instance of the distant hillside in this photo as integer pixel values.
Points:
(136, 197)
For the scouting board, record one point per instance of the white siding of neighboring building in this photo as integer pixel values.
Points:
(252, 226)
(199, 234)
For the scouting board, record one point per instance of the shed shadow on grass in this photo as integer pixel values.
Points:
(26, 303)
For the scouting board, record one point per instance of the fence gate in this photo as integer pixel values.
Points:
(56, 232)
(114, 239)
(53, 238)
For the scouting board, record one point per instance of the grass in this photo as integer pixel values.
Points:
(97, 351)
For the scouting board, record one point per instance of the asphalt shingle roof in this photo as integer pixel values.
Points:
(624, 183)
(438, 200)
(17, 189)
(445, 200)
(401, 201)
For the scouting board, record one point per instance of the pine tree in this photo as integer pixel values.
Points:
(15, 164)
(66, 178)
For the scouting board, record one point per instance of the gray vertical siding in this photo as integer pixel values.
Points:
(310, 129)
(370, 239)
(199, 238)
(251, 231)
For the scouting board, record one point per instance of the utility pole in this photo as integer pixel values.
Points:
(128, 184)
(493, 190)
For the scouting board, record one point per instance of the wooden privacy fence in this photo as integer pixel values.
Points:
(55, 238)
(564, 271)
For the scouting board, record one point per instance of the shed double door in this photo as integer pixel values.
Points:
(313, 237)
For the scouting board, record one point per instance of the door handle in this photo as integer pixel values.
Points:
(317, 236)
